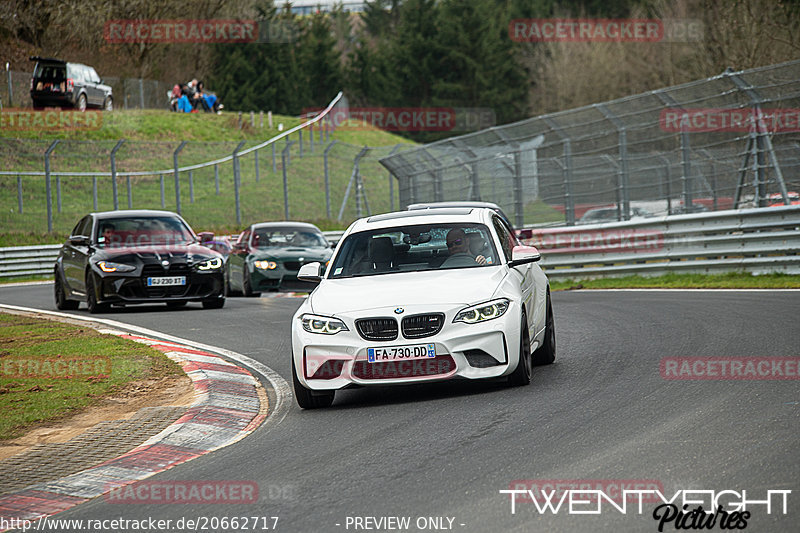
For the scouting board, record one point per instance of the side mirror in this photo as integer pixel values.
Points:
(310, 272)
(522, 255)
(79, 240)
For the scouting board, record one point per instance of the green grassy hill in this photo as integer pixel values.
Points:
(150, 139)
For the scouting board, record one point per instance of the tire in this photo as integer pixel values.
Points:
(227, 289)
(304, 397)
(62, 302)
(247, 290)
(176, 305)
(522, 374)
(91, 297)
(217, 303)
(81, 103)
(546, 353)
(108, 105)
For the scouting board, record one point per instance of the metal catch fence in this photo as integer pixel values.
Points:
(730, 141)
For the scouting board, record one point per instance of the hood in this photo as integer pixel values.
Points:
(438, 287)
(308, 254)
(146, 254)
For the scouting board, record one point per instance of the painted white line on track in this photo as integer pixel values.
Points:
(26, 283)
(283, 392)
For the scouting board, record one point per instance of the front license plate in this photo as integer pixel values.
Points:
(159, 282)
(400, 353)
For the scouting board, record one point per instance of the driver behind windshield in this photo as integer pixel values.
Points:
(458, 248)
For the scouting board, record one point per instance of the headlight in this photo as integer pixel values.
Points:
(108, 266)
(266, 265)
(482, 312)
(324, 325)
(210, 264)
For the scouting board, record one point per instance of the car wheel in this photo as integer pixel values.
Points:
(176, 305)
(108, 105)
(91, 297)
(546, 353)
(227, 288)
(247, 289)
(522, 374)
(217, 303)
(61, 296)
(306, 399)
(82, 103)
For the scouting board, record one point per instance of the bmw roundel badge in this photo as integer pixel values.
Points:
(399, 311)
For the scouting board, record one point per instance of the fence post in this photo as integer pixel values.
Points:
(58, 192)
(269, 119)
(353, 178)
(114, 172)
(19, 193)
(216, 178)
(519, 207)
(300, 137)
(285, 179)
(94, 193)
(237, 182)
(252, 119)
(391, 183)
(327, 179)
(239, 118)
(141, 93)
(261, 119)
(177, 176)
(274, 165)
(255, 160)
(311, 137)
(47, 185)
(191, 188)
(161, 183)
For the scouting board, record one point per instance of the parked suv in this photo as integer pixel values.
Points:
(62, 84)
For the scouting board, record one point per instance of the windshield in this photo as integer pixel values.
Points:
(142, 231)
(414, 249)
(287, 237)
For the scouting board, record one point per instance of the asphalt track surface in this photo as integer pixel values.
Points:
(602, 411)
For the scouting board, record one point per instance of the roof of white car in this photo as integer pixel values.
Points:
(471, 215)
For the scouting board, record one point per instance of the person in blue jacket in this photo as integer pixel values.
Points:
(184, 105)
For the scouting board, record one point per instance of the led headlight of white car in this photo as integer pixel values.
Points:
(210, 264)
(265, 265)
(324, 325)
(108, 266)
(482, 312)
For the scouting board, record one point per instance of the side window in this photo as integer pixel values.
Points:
(76, 230)
(244, 238)
(93, 75)
(506, 239)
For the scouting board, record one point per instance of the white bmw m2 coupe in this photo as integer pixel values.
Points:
(418, 296)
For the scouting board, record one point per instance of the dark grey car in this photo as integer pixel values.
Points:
(62, 84)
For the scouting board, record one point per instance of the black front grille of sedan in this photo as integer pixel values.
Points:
(426, 325)
(377, 329)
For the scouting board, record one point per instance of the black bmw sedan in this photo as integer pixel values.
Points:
(135, 257)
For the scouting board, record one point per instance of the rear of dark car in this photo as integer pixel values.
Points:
(57, 83)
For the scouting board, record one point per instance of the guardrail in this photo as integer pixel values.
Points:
(756, 240)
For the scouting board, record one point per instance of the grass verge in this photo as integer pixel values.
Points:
(50, 369)
(730, 280)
